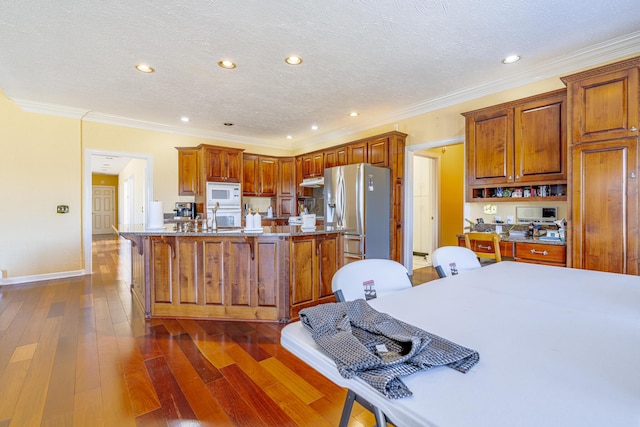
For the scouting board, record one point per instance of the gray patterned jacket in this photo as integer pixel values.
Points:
(379, 348)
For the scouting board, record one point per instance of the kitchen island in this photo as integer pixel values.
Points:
(270, 274)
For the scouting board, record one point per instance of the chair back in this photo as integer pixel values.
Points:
(368, 279)
(452, 260)
(487, 245)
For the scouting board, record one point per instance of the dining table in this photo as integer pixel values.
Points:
(557, 347)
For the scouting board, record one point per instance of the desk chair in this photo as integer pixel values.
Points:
(367, 279)
(452, 260)
(485, 242)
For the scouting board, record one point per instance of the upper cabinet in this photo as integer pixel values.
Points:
(604, 199)
(260, 176)
(222, 164)
(312, 165)
(604, 106)
(188, 171)
(521, 143)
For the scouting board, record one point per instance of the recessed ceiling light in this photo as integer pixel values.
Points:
(314, 127)
(289, 137)
(354, 114)
(227, 64)
(293, 60)
(184, 119)
(511, 59)
(144, 68)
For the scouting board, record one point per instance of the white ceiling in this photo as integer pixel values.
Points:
(386, 59)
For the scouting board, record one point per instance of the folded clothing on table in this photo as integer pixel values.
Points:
(379, 348)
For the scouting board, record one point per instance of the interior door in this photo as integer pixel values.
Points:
(103, 209)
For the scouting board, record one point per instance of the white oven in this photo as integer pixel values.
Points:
(226, 217)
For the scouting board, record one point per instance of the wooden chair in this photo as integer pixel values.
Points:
(487, 245)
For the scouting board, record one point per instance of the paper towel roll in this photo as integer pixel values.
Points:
(156, 216)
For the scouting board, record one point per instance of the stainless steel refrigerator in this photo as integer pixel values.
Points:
(357, 200)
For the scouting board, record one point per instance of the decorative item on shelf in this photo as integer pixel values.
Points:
(517, 192)
(526, 192)
(506, 193)
(499, 192)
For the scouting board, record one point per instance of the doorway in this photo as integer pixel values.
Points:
(425, 208)
(87, 199)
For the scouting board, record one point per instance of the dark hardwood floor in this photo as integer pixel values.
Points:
(77, 352)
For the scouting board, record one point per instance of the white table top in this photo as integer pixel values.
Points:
(558, 347)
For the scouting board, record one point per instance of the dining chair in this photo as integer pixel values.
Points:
(368, 279)
(486, 245)
(452, 260)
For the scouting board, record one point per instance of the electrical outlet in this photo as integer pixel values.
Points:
(61, 209)
(490, 209)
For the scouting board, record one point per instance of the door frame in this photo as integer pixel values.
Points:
(87, 196)
(408, 191)
(434, 183)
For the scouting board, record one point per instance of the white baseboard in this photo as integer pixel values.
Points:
(40, 277)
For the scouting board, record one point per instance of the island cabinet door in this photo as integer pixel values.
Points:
(328, 251)
(161, 272)
(267, 262)
(238, 286)
(212, 273)
(302, 272)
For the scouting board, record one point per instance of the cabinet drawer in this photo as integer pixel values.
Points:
(535, 252)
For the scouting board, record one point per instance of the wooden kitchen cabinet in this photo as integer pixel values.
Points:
(604, 103)
(541, 253)
(335, 157)
(188, 171)
(518, 143)
(312, 165)
(260, 176)
(222, 164)
(603, 208)
(357, 152)
(286, 181)
(378, 152)
(314, 261)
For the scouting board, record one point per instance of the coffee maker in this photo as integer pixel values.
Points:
(185, 210)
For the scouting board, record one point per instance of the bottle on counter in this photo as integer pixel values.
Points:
(531, 230)
(248, 221)
(269, 212)
(257, 220)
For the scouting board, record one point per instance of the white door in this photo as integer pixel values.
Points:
(424, 205)
(103, 209)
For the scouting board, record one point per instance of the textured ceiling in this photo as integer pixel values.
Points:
(386, 59)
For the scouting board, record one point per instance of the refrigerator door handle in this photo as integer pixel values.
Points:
(340, 199)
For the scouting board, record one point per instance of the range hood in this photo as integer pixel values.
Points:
(313, 182)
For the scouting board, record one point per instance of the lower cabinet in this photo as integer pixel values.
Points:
(532, 252)
(540, 253)
(314, 261)
(231, 278)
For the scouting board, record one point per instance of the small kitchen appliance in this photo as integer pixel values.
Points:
(185, 210)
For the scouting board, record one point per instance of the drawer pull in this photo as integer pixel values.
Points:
(489, 248)
(533, 251)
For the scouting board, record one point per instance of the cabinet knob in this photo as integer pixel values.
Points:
(632, 175)
(633, 129)
(510, 177)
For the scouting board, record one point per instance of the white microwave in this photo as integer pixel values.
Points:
(226, 194)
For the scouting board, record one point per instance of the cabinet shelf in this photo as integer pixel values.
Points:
(556, 192)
